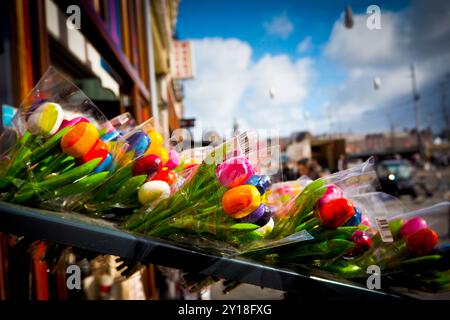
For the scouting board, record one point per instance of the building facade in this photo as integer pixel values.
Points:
(118, 52)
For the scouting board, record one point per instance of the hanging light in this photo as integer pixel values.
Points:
(376, 83)
(348, 19)
(272, 92)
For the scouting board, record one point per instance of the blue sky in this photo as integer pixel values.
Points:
(322, 73)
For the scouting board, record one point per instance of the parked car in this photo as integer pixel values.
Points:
(396, 177)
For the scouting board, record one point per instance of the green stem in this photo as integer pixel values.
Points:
(39, 176)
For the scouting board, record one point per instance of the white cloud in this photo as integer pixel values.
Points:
(420, 35)
(221, 78)
(304, 45)
(279, 26)
(229, 85)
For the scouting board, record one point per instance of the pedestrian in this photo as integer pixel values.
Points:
(342, 163)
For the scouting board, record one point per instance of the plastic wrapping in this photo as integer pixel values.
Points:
(59, 144)
(143, 168)
(281, 193)
(326, 221)
(219, 207)
(411, 250)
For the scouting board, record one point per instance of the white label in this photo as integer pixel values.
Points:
(383, 228)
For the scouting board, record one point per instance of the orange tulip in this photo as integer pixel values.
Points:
(240, 201)
(80, 139)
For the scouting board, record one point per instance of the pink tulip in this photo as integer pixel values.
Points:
(365, 220)
(413, 225)
(332, 192)
(174, 160)
(72, 122)
(234, 172)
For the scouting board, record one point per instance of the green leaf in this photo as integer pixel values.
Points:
(244, 226)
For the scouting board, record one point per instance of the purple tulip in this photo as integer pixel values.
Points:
(260, 216)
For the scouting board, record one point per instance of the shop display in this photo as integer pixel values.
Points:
(69, 157)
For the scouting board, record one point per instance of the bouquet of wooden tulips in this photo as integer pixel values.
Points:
(144, 172)
(63, 147)
(407, 250)
(321, 224)
(221, 202)
(341, 225)
(66, 155)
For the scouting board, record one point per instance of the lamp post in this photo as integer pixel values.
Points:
(416, 99)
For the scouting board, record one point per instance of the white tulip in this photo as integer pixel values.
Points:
(46, 119)
(153, 192)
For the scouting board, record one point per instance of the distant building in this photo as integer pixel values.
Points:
(403, 142)
(300, 148)
(122, 52)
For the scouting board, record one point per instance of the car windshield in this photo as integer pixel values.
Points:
(400, 170)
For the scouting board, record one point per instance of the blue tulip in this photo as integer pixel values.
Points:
(110, 136)
(260, 182)
(139, 142)
(356, 219)
(104, 165)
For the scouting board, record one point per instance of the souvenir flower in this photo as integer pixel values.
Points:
(362, 241)
(412, 225)
(240, 201)
(336, 212)
(266, 229)
(160, 151)
(72, 122)
(139, 142)
(166, 175)
(260, 182)
(150, 165)
(174, 159)
(110, 135)
(105, 165)
(99, 150)
(46, 119)
(332, 192)
(234, 172)
(80, 139)
(153, 192)
(356, 219)
(421, 242)
(260, 216)
(156, 137)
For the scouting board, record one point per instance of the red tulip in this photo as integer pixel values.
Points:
(336, 212)
(149, 165)
(421, 242)
(362, 243)
(166, 175)
(99, 150)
